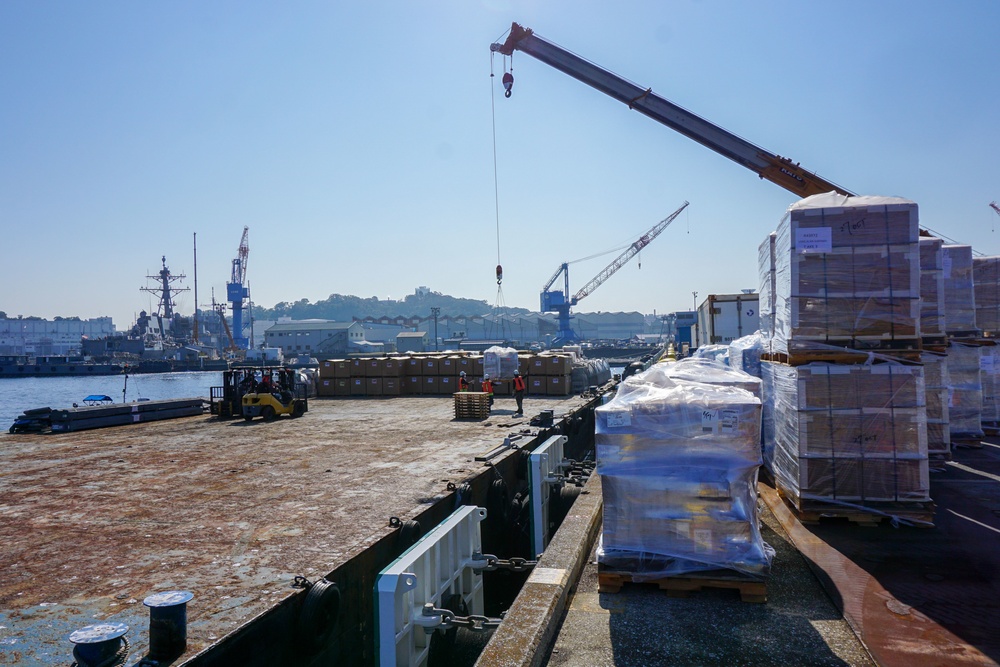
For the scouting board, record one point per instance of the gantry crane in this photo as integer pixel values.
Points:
(554, 301)
(237, 292)
(773, 167)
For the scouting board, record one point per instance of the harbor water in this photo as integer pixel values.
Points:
(20, 394)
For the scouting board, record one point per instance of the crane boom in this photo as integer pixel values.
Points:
(995, 207)
(775, 168)
(629, 253)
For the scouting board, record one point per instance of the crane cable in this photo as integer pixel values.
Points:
(499, 306)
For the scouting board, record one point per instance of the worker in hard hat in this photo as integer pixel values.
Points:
(519, 387)
(488, 389)
(463, 382)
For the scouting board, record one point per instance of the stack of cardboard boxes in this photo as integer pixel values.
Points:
(846, 427)
(437, 375)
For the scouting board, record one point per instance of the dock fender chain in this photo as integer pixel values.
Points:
(319, 614)
(443, 640)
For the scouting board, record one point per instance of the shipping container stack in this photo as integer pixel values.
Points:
(845, 394)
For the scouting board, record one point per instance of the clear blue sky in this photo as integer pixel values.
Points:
(356, 141)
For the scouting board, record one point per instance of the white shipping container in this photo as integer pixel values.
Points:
(722, 318)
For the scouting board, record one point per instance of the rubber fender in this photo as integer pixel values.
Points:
(318, 617)
(409, 533)
(497, 501)
(442, 648)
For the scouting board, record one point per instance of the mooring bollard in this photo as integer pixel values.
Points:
(167, 623)
(95, 644)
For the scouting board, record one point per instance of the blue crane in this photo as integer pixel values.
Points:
(554, 301)
(237, 292)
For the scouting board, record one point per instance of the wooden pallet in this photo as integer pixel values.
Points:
(841, 356)
(751, 590)
(811, 512)
(966, 442)
(472, 405)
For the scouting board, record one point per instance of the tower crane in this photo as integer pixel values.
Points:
(767, 165)
(560, 302)
(237, 292)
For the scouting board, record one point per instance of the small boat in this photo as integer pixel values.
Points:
(97, 399)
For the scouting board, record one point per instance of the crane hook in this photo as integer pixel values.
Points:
(508, 83)
(499, 274)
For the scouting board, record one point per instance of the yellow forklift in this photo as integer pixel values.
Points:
(275, 394)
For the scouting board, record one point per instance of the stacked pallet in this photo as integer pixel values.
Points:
(678, 461)
(986, 280)
(845, 417)
(438, 374)
(472, 405)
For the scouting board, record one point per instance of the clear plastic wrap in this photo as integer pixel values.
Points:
(959, 290)
(765, 267)
(693, 369)
(847, 272)
(989, 375)
(500, 362)
(986, 277)
(678, 462)
(715, 352)
(965, 404)
(744, 353)
(936, 385)
(850, 433)
(931, 287)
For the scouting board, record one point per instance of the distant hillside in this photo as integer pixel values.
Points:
(344, 308)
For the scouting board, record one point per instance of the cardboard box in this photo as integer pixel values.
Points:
(412, 385)
(429, 366)
(391, 386)
(342, 386)
(335, 368)
(524, 363)
(557, 385)
(429, 384)
(465, 364)
(373, 386)
(448, 366)
(502, 388)
(357, 368)
(358, 386)
(477, 366)
(559, 364)
(538, 365)
(392, 367)
(447, 384)
(325, 387)
(326, 369)
(413, 367)
(538, 385)
(373, 368)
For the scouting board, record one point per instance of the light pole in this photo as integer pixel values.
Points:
(435, 311)
(694, 298)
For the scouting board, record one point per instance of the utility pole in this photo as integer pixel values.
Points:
(435, 311)
(694, 298)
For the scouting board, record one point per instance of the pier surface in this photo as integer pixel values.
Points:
(92, 522)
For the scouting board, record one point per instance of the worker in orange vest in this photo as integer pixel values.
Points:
(488, 389)
(519, 387)
(463, 382)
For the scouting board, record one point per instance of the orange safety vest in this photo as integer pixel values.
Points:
(463, 384)
(518, 383)
(488, 387)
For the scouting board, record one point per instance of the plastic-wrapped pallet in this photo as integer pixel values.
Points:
(936, 384)
(931, 287)
(716, 352)
(500, 362)
(965, 404)
(744, 353)
(678, 462)
(847, 273)
(705, 371)
(854, 434)
(986, 276)
(989, 376)
(767, 414)
(959, 291)
(765, 266)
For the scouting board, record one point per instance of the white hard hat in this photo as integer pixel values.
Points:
(486, 377)
(462, 373)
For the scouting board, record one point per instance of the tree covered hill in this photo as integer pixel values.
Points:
(344, 308)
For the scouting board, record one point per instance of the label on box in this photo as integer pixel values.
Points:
(709, 418)
(814, 239)
(619, 419)
(729, 421)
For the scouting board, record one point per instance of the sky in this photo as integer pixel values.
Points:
(369, 150)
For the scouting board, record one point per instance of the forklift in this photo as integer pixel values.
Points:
(256, 391)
